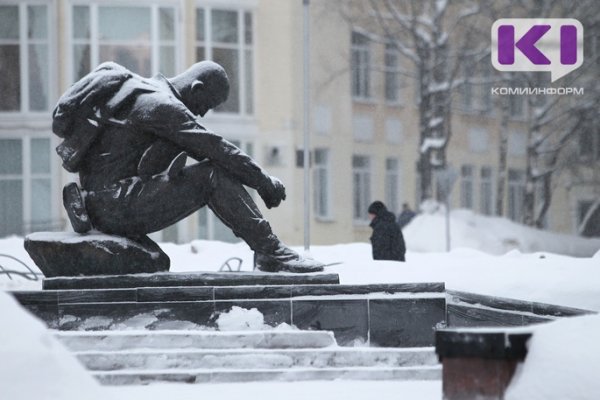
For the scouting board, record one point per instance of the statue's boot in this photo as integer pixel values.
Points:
(236, 209)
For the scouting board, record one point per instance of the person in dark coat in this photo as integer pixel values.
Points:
(387, 240)
(405, 216)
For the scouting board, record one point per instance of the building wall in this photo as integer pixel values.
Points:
(274, 132)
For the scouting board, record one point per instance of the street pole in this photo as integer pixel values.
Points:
(448, 221)
(306, 125)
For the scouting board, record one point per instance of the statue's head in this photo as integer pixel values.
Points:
(203, 86)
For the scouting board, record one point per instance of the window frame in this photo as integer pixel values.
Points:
(27, 176)
(391, 52)
(155, 42)
(362, 191)
(247, 101)
(486, 190)
(363, 69)
(467, 186)
(392, 179)
(24, 41)
(515, 179)
(322, 208)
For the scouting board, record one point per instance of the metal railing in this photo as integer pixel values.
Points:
(29, 275)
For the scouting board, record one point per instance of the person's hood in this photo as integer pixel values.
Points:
(382, 217)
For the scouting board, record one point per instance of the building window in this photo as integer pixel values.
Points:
(361, 180)
(141, 38)
(226, 37)
(322, 191)
(392, 74)
(476, 91)
(516, 193)
(466, 186)
(486, 191)
(25, 187)
(361, 66)
(392, 184)
(24, 58)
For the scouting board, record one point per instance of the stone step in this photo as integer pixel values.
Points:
(170, 279)
(252, 359)
(79, 341)
(285, 374)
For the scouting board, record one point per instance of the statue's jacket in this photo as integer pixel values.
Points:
(116, 125)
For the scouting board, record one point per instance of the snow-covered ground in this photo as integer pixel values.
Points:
(489, 256)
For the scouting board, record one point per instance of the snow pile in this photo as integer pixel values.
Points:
(13, 246)
(494, 235)
(33, 365)
(241, 319)
(562, 362)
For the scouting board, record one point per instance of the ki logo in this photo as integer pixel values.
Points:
(554, 45)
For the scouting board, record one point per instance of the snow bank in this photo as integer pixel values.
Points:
(33, 365)
(562, 362)
(494, 235)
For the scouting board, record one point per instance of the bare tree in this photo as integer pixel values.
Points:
(554, 121)
(435, 36)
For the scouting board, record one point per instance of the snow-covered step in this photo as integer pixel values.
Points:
(251, 359)
(292, 374)
(179, 339)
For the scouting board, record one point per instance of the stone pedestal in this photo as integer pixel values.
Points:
(73, 254)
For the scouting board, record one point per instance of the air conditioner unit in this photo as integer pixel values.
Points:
(273, 156)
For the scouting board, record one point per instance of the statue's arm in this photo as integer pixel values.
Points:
(180, 127)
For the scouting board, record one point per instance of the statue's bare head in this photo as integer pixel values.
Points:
(203, 86)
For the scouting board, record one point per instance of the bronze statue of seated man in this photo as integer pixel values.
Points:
(129, 137)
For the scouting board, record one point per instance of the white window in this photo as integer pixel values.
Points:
(486, 191)
(517, 144)
(26, 186)
(24, 57)
(516, 193)
(361, 180)
(393, 131)
(392, 74)
(322, 121)
(322, 187)
(392, 184)
(141, 38)
(361, 66)
(479, 140)
(466, 186)
(363, 127)
(226, 37)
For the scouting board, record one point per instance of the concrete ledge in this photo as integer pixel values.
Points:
(170, 279)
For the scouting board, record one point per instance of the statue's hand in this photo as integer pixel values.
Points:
(272, 193)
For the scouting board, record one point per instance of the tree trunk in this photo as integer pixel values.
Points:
(529, 196)
(546, 200)
(502, 153)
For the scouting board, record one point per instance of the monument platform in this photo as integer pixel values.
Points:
(390, 315)
(171, 279)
